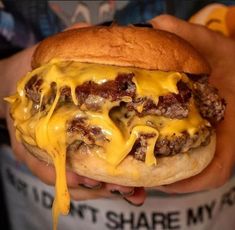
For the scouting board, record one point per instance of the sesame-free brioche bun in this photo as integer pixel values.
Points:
(122, 46)
(132, 172)
(128, 47)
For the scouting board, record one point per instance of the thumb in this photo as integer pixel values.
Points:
(78, 25)
(199, 36)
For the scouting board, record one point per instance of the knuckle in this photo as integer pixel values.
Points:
(223, 178)
(74, 195)
(44, 173)
(45, 180)
(224, 168)
(167, 21)
(163, 22)
(165, 17)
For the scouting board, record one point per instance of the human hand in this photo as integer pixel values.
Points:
(12, 69)
(220, 53)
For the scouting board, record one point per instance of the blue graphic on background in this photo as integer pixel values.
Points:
(24, 22)
(140, 11)
(7, 25)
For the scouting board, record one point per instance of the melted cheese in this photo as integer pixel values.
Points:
(167, 126)
(47, 129)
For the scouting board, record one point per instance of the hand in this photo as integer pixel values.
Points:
(220, 53)
(12, 69)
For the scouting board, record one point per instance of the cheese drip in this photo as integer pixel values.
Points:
(47, 129)
(118, 146)
(51, 136)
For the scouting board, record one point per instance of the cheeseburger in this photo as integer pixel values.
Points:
(124, 105)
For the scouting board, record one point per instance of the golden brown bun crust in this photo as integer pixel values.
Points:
(122, 46)
(132, 172)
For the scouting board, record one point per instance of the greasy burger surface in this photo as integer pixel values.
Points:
(124, 105)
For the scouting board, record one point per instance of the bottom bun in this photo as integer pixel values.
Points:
(132, 172)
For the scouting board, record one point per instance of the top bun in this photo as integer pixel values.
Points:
(122, 46)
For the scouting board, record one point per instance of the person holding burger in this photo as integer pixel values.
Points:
(213, 176)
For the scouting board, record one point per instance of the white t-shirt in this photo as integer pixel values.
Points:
(29, 202)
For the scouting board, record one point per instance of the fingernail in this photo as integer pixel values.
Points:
(117, 192)
(95, 187)
(129, 202)
(130, 193)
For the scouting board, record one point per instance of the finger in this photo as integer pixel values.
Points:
(119, 190)
(42, 170)
(203, 181)
(78, 25)
(89, 183)
(81, 193)
(46, 172)
(138, 198)
(113, 190)
(219, 170)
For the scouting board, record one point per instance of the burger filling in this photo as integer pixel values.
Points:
(135, 109)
